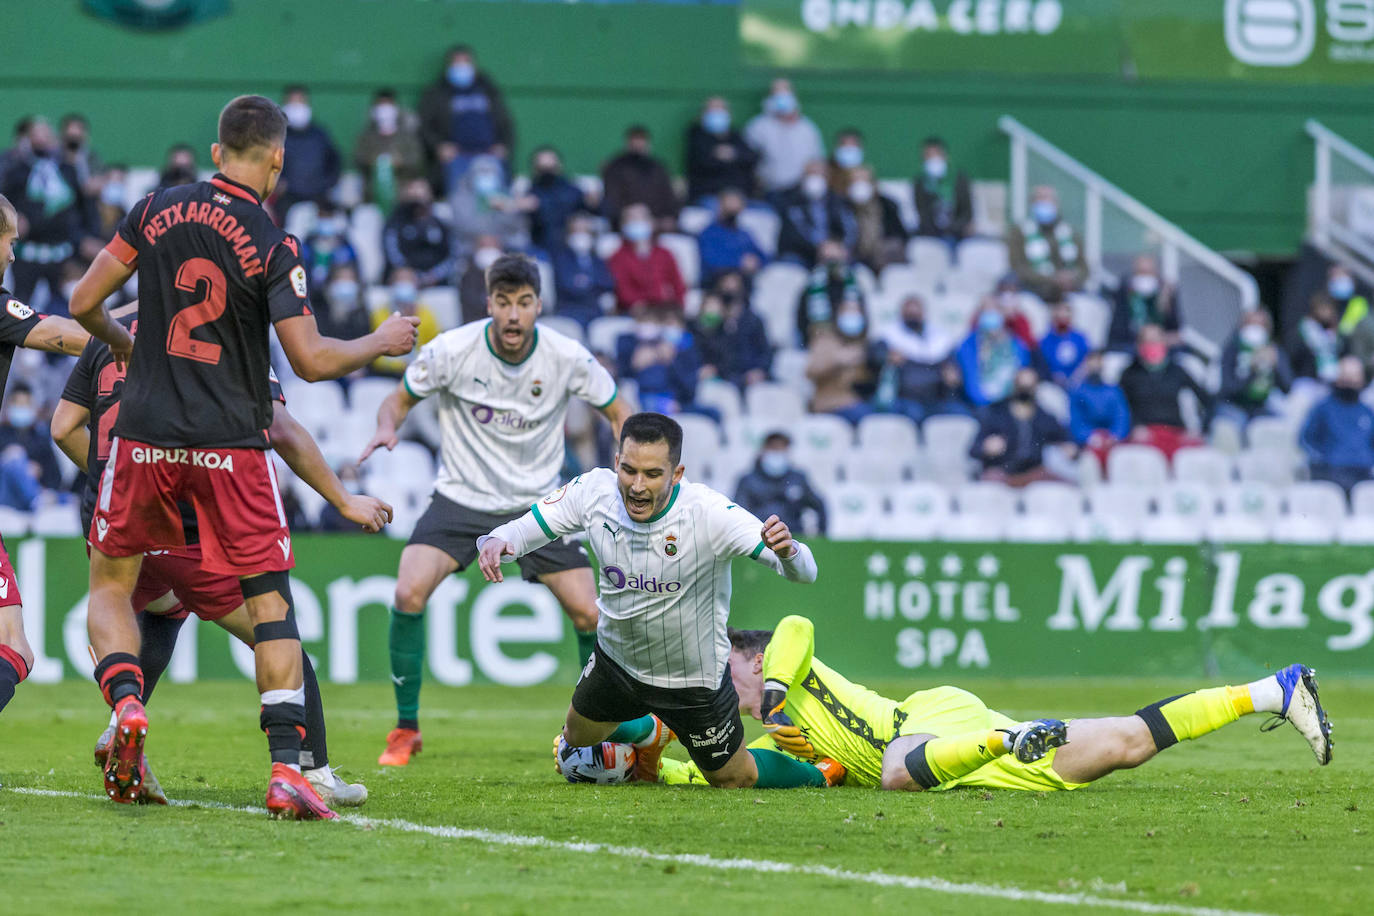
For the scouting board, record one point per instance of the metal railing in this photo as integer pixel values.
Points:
(1341, 206)
(1116, 227)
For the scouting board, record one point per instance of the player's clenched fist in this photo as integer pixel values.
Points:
(777, 538)
(398, 333)
(367, 511)
(779, 725)
(489, 558)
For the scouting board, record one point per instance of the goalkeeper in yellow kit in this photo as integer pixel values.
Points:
(945, 737)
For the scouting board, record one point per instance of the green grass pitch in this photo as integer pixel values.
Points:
(1239, 821)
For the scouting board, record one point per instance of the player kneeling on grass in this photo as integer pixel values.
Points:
(946, 737)
(660, 663)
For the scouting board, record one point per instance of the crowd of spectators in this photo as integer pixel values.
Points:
(444, 182)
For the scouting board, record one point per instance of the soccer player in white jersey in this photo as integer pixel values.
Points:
(661, 663)
(503, 387)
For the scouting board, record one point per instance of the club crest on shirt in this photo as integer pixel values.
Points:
(538, 388)
(670, 545)
(555, 496)
(19, 310)
(298, 281)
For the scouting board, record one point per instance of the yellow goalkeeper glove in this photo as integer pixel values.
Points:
(785, 734)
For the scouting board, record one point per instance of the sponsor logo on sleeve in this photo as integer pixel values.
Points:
(19, 310)
(298, 281)
(555, 496)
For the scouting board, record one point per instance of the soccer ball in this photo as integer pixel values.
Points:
(606, 764)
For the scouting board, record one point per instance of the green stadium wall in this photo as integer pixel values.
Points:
(931, 613)
(1229, 163)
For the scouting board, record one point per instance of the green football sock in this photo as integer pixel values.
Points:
(633, 731)
(586, 644)
(779, 771)
(407, 661)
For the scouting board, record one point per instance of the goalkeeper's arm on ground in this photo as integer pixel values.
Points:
(787, 658)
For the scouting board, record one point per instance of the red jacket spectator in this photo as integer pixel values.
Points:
(648, 278)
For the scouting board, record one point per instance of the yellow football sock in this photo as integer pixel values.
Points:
(941, 759)
(1195, 714)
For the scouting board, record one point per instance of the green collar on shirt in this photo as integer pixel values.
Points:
(664, 511)
(486, 335)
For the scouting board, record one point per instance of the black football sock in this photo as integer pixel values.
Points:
(12, 671)
(119, 676)
(159, 633)
(315, 747)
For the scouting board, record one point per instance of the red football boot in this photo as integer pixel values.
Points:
(124, 761)
(291, 798)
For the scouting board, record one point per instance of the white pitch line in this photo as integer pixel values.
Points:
(875, 878)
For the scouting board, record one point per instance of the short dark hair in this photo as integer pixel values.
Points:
(648, 428)
(750, 642)
(21, 127)
(510, 272)
(775, 437)
(295, 89)
(455, 50)
(9, 221)
(636, 130)
(73, 117)
(251, 122)
(850, 132)
(386, 92)
(933, 140)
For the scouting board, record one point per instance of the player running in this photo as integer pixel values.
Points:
(665, 547)
(945, 737)
(21, 326)
(504, 386)
(214, 273)
(171, 582)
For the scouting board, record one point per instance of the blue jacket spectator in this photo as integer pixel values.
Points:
(731, 339)
(580, 278)
(22, 428)
(553, 200)
(989, 358)
(1338, 435)
(777, 487)
(1063, 347)
(327, 246)
(312, 164)
(1013, 434)
(727, 246)
(414, 237)
(462, 115)
(1097, 408)
(662, 357)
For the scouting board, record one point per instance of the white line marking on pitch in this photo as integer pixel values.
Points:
(876, 878)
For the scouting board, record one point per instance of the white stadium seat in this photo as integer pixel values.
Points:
(688, 256)
(692, 220)
(985, 498)
(1202, 465)
(1267, 465)
(365, 226)
(763, 224)
(920, 510)
(888, 434)
(1257, 501)
(603, 332)
(854, 511)
(1114, 529)
(701, 439)
(1047, 497)
(1316, 499)
(367, 394)
(819, 432)
(724, 397)
(1137, 465)
(607, 244)
(1170, 529)
(1191, 501)
(983, 256)
(777, 290)
(1306, 529)
(1039, 529)
(950, 432)
(1357, 529)
(1271, 433)
(779, 403)
(1120, 501)
(1238, 529)
(1361, 498)
(877, 468)
(930, 255)
(961, 528)
(565, 326)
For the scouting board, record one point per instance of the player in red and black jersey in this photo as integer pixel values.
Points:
(21, 326)
(214, 274)
(172, 582)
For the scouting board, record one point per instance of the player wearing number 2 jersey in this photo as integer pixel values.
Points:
(214, 274)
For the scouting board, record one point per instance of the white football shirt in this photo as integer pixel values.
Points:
(665, 583)
(501, 424)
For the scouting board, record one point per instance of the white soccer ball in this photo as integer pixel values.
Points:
(606, 764)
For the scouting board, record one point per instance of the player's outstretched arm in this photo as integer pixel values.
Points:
(56, 334)
(794, 557)
(70, 433)
(106, 275)
(315, 357)
(390, 415)
(294, 443)
(556, 515)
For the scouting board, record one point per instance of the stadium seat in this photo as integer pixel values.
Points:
(777, 290)
(854, 511)
(878, 468)
(929, 255)
(301, 218)
(953, 311)
(898, 281)
(548, 290)
(789, 368)
(964, 528)
(1137, 465)
(1120, 500)
(565, 326)
(1237, 529)
(349, 192)
(1093, 316)
(701, 439)
(901, 193)
(603, 332)
(1038, 529)
(365, 226)
(763, 224)
(367, 394)
(1317, 499)
(443, 301)
(920, 511)
(1361, 499)
(688, 256)
(724, 397)
(311, 503)
(409, 462)
(1273, 433)
(1170, 529)
(1202, 465)
(1306, 529)
(1357, 529)
(947, 441)
(820, 432)
(1267, 465)
(888, 434)
(57, 520)
(13, 522)
(1113, 529)
(1054, 400)
(1227, 436)
(985, 498)
(1257, 501)
(692, 220)
(984, 257)
(779, 403)
(1046, 497)
(1186, 500)
(1113, 364)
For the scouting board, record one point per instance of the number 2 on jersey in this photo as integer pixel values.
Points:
(192, 273)
(110, 376)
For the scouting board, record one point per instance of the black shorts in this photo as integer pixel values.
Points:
(706, 721)
(454, 529)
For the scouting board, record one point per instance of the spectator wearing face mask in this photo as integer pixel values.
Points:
(472, 287)
(415, 238)
(1317, 348)
(110, 204)
(907, 362)
(1143, 298)
(879, 236)
(22, 428)
(717, 156)
(582, 281)
(944, 203)
(951, 396)
(403, 297)
(1014, 434)
(552, 199)
(846, 158)
(778, 487)
(75, 132)
(312, 165)
(327, 244)
(732, 340)
(1350, 304)
(339, 306)
(646, 274)
(1063, 347)
(1152, 384)
(179, 167)
(462, 115)
(662, 357)
(811, 213)
(637, 176)
(837, 363)
(1255, 373)
(1338, 434)
(52, 203)
(785, 140)
(1007, 297)
(990, 357)
(389, 152)
(1099, 416)
(831, 285)
(19, 150)
(725, 245)
(1046, 252)
(483, 205)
